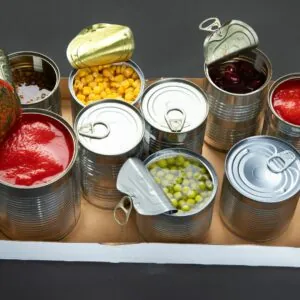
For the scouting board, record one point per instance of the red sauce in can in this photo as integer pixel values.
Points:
(37, 149)
(286, 101)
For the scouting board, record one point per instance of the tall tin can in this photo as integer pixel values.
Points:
(274, 124)
(47, 211)
(261, 188)
(109, 132)
(24, 65)
(175, 111)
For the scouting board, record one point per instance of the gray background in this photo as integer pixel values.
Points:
(168, 42)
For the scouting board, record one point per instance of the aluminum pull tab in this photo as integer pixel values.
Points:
(175, 124)
(279, 162)
(123, 207)
(210, 24)
(89, 130)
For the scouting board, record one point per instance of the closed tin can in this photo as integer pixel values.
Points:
(77, 105)
(175, 111)
(26, 64)
(46, 211)
(261, 187)
(109, 132)
(274, 124)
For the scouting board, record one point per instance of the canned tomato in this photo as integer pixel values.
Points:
(283, 113)
(100, 90)
(175, 111)
(109, 132)
(36, 78)
(39, 180)
(261, 187)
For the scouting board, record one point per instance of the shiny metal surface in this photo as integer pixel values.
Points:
(45, 212)
(261, 187)
(233, 117)
(274, 125)
(27, 60)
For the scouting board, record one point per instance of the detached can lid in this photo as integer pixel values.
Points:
(227, 40)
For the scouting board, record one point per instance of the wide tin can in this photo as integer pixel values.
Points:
(261, 187)
(109, 132)
(175, 111)
(275, 125)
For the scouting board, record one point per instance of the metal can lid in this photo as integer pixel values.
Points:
(226, 40)
(109, 127)
(264, 169)
(174, 105)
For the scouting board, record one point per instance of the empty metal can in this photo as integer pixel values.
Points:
(261, 187)
(274, 124)
(175, 111)
(109, 132)
(28, 69)
(46, 211)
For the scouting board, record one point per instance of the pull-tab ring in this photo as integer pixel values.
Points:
(124, 206)
(285, 158)
(214, 24)
(91, 130)
(175, 124)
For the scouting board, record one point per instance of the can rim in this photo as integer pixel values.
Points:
(267, 81)
(202, 159)
(70, 130)
(50, 61)
(272, 89)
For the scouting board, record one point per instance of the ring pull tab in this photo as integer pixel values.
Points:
(279, 162)
(175, 124)
(123, 207)
(213, 24)
(89, 130)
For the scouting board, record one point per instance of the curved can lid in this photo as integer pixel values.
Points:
(109, 127)
(265, 169)
(174, 105)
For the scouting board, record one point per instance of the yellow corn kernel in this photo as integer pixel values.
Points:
(97, 97)
(92, 84)
(121, 90)
(113, 90)
(78, 84)
(113, 95)
(82, 73)
(118, 69)
(83, 80)
(125, 84)
(101, 85)
(123, 68)
(106, 79)
(100, 68)
(91, 96)
(129, 96)
(136, 91)
(129, 90)
(119, 78)
(105, 84)
(89, 78)
(95, 74)
(131, 81)
(106, 73)
(134, 76)
(86, 90)
(94, 69)
(97, 89)
(128, 72)
(80, 97)
(136, 83)
(106, 66)
(112, 78)
(103, 94)
(107, 90)
(115, 84)
(98, 79)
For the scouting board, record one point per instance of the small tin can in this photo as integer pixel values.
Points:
(109, 132)
(46, 211)
(24, 65)
(101, 44)
(261, 187)
(274, 124)
(77, 105)
(175, 111)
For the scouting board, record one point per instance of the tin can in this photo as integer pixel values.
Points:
(101, 44)
(175, 111)
(261, 188)
(24, 63)
(274, 125)
(46, 211)
(77, 106)
(109, 132)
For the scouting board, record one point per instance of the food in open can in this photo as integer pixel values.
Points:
(261, 187)
(175, 111)
(39, 180)
(283, 113)
(109, 132)
(36, 78)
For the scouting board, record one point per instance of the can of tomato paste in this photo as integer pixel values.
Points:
(39, 179)
(283, 113)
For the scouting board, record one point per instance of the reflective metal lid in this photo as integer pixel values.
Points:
(265, 169)
(174, 105)
(109, 127)
(226, 40)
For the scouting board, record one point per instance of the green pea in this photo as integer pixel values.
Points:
(160, 173)
(198, 198)
(185, 189)
(174, 202)
(162, 163)
(197, 176)
(202, 186)
(185, 182)
(180, 160)
(177, 195)
(179, 180)
(203, 170)
(165, 182)
(194, 185)
(171, 161)
(191, 194)
(185, 208)
(169, 177)
(166, 190)
(170, 196)
(189, 174)
(181, 203)
(153, 171)
(177, 188)
(190, 202)
(186, 164)
(174, 168)
(209, 185)
(152, 166)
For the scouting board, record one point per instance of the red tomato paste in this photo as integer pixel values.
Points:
(286, 101)
(37, 149)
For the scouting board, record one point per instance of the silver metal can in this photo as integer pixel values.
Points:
(109, 132)
(175, 111)
(23, 64)
(274, 124)
(46, 211)
(261, 187)
(77, 105)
